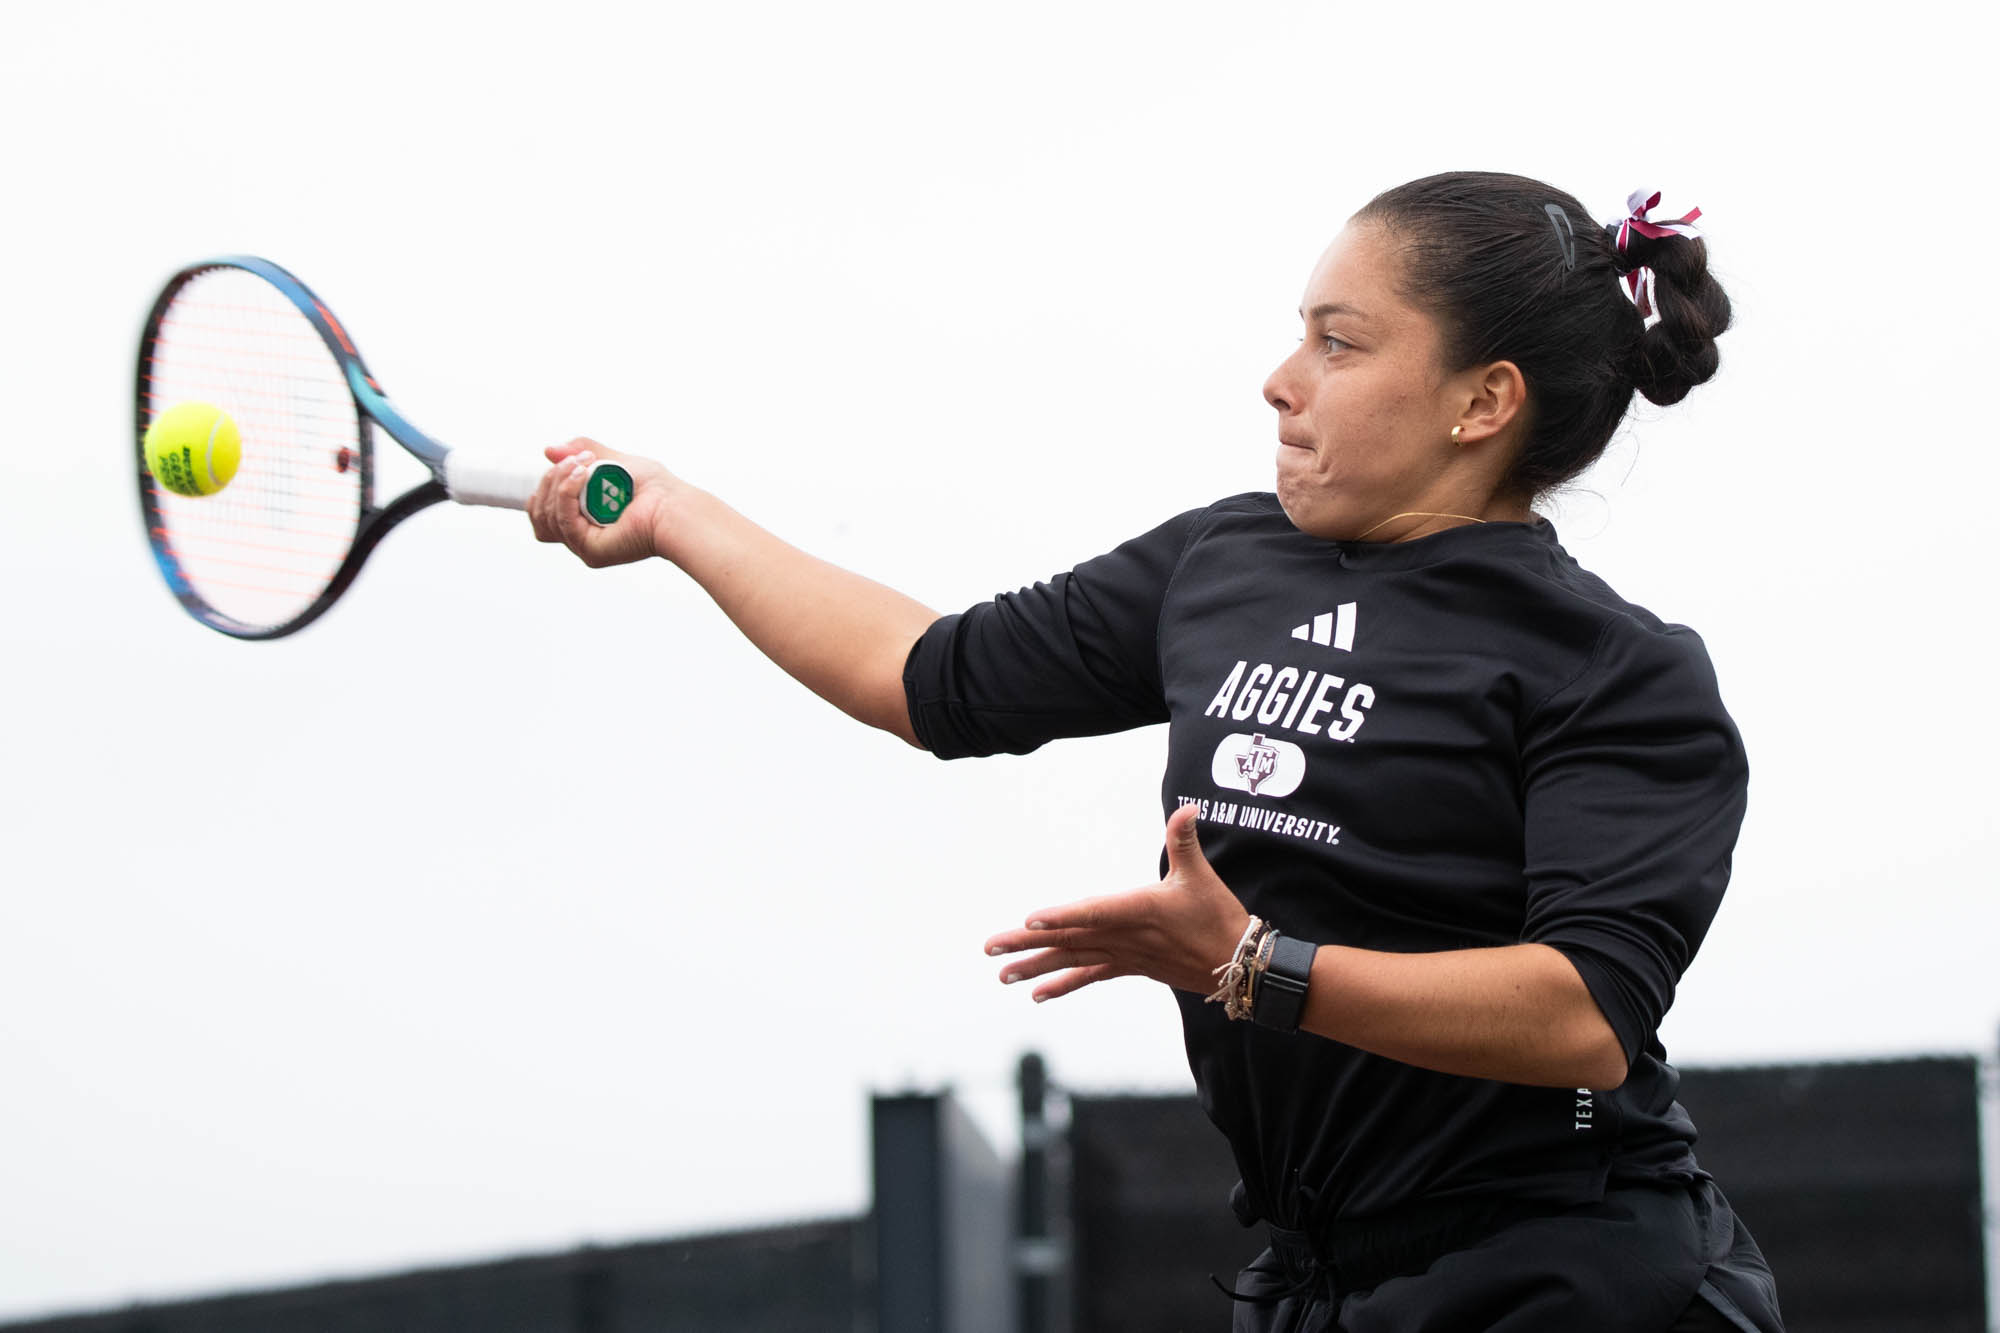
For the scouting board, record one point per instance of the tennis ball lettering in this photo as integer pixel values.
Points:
(193, 448)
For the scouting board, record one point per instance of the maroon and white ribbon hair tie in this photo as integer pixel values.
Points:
(1638, 282)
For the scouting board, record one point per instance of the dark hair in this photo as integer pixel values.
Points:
(1508, 280)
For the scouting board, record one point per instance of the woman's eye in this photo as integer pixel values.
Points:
(1329, 343)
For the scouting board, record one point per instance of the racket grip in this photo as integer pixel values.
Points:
(607, 489)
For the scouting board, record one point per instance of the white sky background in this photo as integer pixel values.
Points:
(515, 905)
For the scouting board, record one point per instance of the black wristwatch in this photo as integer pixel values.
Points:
(1281, 990)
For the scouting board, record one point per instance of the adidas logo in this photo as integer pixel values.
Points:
(1331, 629)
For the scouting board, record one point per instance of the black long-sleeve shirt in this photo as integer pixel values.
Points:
(1464, 740)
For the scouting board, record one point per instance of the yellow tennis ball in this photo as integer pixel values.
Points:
(193, 448)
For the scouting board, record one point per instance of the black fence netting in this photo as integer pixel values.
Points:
(1860, 1181)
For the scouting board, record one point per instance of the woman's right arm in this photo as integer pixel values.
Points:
(842, 636)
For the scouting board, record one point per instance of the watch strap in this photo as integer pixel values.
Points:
(1281, 989)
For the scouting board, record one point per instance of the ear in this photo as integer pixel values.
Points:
(1495, 402)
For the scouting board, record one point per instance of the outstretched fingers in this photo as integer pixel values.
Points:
(1050, 960)
(1074, 945)
(1076, 979)
(1081, 924)
(1172, 932)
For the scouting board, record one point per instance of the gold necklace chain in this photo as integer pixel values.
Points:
(1417, 514)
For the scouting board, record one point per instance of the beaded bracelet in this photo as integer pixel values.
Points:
(1260, 963)
(1238, 974)
(1265, 980)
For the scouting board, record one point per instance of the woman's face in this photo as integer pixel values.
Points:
(1365, 406)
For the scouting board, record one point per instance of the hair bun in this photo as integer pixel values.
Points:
(1678, 352)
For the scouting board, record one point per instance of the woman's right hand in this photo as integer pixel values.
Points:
(557, 516)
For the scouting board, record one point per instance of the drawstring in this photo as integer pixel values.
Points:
(1239, 1203)
(1361, 1255)
(1299, 1288)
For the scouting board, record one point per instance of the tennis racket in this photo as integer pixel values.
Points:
(268, 554)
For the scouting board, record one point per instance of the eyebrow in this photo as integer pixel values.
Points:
(1326, 308)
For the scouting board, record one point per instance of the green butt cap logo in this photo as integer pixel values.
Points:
(606, 493)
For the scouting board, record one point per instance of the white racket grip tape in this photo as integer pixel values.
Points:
(481, 481)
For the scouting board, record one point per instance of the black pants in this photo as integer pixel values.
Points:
(1641, 1260)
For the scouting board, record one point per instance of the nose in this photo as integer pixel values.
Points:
(1278, 392)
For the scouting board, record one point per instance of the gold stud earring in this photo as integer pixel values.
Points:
(1455, 441)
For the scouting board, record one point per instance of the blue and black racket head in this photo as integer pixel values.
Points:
(271, 551)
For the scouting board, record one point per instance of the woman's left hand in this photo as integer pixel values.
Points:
(1177, 931)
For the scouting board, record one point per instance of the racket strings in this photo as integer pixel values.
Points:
(262, 550)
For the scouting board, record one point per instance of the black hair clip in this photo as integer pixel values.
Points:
(1565, 234)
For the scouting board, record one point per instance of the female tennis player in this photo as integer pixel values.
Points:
(1447, 817)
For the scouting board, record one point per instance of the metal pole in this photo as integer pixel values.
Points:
(1989, 1185)
(1037, 1252)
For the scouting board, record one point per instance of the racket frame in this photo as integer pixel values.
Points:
(374, 521)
